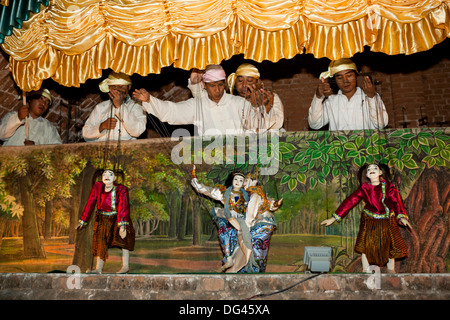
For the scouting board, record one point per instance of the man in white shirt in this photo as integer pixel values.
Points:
(27, 126)
(117, 118)
(264, 110)
(352, 108)
(214, 113)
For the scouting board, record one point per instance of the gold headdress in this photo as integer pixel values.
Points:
(114, 78)
(337, 66)
(245, 69)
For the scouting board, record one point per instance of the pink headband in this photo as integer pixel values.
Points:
(213, 75)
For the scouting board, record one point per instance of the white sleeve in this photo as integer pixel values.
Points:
(134, 120)
(276, 114)
(9, 124)
(171, 112)
(317, 118)
(91, 128)
(53, 136)
(377, 111)
(213, 193)
(197, 89)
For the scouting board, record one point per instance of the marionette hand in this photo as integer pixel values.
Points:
(406, 223)
(328, 222)
(108, 124)
(79, 226)
(123, 232)
(368, 87)
(141, 95)
(277, 204)
(323, 89)
(196, 76)
(23, 112)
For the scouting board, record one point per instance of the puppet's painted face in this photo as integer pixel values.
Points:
(238, 182)
(108, 177)
(373, 172)
(248, 182)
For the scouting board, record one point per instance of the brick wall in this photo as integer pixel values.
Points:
(413, 88)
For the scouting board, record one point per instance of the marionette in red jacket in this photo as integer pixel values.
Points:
(112, 225)
(379, 240)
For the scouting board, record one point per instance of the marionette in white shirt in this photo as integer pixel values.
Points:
(352, 107)
(26, 126)
(117, 118)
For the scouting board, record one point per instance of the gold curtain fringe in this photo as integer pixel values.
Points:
(96, 40)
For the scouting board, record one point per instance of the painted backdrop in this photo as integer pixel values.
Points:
(43, 190)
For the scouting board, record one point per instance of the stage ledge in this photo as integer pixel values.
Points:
(55, 286)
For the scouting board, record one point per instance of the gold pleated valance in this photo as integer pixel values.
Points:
(72, 41)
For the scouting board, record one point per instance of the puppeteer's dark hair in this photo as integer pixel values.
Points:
(362, 172)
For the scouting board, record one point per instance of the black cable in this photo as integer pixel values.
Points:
(282, 290)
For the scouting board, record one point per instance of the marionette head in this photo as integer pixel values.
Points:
(373, 172)
(246, 75)
(214, 82)
(108, 176)
(251, 179)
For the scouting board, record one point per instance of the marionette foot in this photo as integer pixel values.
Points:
(123, 270)
(125, 260)
(227, 265)
(99, 268)
(365, 264)
(391, 266)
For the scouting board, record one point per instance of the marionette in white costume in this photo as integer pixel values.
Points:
(112, 225)
(261, 222)
(379, 239)
(234, 234)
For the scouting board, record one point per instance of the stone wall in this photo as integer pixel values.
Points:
(53, 286)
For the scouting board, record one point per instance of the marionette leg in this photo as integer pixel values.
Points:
(99, 267)
(365, 263)
(125, 261)
(391, 265)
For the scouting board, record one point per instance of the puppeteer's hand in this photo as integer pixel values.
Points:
(108, 124)
(328, 222)
(141, 95)
(116, 97)
(23, 112)
(323, 89)
(123, 232)
(368, 87)
(196, 75)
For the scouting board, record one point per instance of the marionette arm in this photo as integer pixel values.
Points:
(399, 208)
(348, 204)
(214, 193)
(90, 205)
(123, 212)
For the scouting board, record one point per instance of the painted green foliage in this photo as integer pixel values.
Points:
(311, 158)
